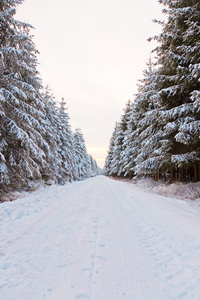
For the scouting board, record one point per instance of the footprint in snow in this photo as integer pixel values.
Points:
(85, 273)
(5, 266)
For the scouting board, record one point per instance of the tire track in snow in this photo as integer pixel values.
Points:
(44, 216)
(43, 245)
(108, 269)
(88, 254)
(177, 266)
(103, 240)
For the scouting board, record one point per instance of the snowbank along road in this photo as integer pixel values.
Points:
(99, 239)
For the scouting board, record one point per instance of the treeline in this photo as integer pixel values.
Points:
(159, 133)
(36, 140)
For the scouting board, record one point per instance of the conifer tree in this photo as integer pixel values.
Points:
(67, 148)
(53, 170)
(94, 169)
(178, 83)
(82, 158)
(163, 131)
(21, 143)
(119, 147)
(129, 150)
(110, 155)
(148, 133)
(36, 141)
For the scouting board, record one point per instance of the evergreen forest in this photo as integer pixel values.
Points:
(36, 140)
(158, 134)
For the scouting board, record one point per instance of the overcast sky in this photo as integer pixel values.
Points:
(92, 53)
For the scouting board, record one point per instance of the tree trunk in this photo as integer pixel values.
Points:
(177, 177)
(199, 170)
(195, 172)
(156, 176)
(164, 176)
(182, 174)
(171, 175)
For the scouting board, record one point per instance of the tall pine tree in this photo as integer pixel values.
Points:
(163, 130)
(22, 145)
(82, 158)
(67, 148)
(178, 82)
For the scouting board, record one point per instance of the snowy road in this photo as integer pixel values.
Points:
(99, 239)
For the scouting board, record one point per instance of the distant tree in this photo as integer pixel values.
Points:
(118, 148)
(110, 156)
(53, 169)
(130, 145)
(82, 158)
(67, 148)
(93, 167)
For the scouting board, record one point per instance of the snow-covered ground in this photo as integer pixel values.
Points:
(180, 190)
(99, 239)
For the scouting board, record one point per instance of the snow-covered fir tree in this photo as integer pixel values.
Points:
(36, 141)
(130, 143)
(21, 143)
(93, 167)
(116, 164)
(67, 147)
(53, 169)
(110, 155)
(82, 158)
(178, 82)
(87, 165)
(148, 132)
(163, 133)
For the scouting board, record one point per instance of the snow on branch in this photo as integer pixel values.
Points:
(180, 159)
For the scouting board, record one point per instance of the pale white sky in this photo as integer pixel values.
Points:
(92, 53)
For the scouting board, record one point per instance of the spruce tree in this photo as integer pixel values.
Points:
(148, 133)
(93, 167)
(82, 158)
(178, 84)
(163, 130)
(110, 155)
(53, 169)
(119, 147)
(22, 145)
(67, 148)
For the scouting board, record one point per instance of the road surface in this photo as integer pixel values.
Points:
(99, 239)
